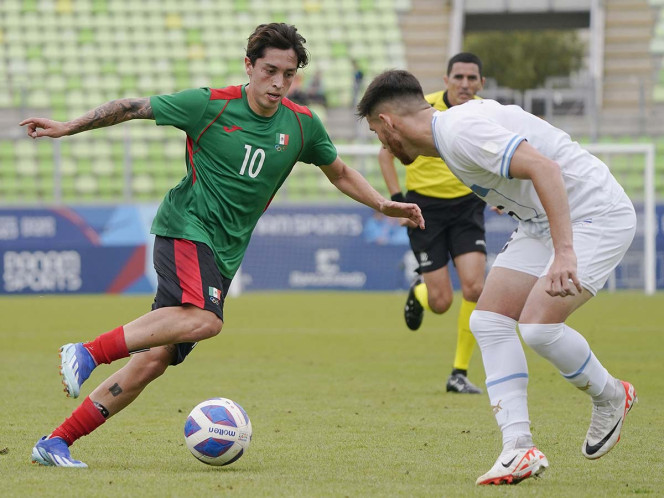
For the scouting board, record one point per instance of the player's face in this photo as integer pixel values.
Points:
(463, 82)
(390, 138)
(270, 79)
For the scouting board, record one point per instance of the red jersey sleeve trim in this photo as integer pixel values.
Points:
(228, 93)
(296, 107)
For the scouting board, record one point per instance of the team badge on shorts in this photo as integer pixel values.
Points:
(215, 295)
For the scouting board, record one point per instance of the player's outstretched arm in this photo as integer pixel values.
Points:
(528, 163)
(355, 186)
(108, 114)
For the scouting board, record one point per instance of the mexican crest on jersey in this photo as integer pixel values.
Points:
(281, 142)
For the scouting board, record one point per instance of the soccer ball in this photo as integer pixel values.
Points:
(217, 431)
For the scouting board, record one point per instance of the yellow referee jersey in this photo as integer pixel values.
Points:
(429, 175)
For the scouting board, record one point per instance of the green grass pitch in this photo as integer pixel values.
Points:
(344, 401)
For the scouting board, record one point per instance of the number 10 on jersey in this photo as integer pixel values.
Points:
(254, 161)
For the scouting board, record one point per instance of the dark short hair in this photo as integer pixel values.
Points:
(277, 35)
(395, 84)
(466, 57)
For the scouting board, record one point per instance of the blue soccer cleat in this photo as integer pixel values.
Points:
(75, 367)
(54, 452)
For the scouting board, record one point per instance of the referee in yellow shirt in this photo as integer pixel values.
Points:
(454, 218)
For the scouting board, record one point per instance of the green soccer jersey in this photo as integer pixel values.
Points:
(236, 162)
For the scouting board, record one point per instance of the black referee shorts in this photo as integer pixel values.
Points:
(187, 274)
(453, 227)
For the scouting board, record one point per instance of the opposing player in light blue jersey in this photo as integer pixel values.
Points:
(575, 225)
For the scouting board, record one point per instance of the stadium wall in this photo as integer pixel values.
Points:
(108, 249)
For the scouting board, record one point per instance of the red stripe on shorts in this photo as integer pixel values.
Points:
(188, 272)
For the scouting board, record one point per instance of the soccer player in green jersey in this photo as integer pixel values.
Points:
(241, 144)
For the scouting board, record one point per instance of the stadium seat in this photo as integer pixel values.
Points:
(65, 57)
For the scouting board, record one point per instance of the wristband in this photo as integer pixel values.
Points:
(398, 197)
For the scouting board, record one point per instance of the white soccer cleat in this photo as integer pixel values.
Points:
(513, 466)
(607, 421)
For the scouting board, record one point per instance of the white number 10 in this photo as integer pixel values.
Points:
(254, 169)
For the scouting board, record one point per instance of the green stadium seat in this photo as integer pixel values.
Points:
(83, 167)
(163, 185)
(5, 100)
(44, 150)
(142, 184)
(38, 98)
(100, 6)
(6, 152)
(68, 166)
(45, 166)
(156, 152)
(82, 149)
(25, 149)
(141, 166)
(139, 149)
(26, 167)
(110, 188)
(98, 50)
(45, 189)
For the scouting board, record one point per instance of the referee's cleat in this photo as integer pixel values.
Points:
(607, 421)
(413, 311)
(459, 383)
(513, 466)
(76, 365)
(54, 452)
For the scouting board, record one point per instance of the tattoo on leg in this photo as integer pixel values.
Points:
(115, 389)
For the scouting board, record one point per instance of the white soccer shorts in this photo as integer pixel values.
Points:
(599, 242)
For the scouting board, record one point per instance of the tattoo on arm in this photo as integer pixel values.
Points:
(111, 113)
(115, 390)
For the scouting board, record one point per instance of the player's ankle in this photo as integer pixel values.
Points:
(518, 442)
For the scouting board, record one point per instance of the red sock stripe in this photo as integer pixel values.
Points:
(85, 419)
(108, 347)
(189, 272)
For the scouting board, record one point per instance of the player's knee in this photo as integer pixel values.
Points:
(440, 303)
(203, 324)
(149, 365)
(491, 328)
(155, 369)
(479, 323)
(210, 326)
(471, 291)
(540, 335)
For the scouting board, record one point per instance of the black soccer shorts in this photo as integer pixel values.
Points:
(453, 227)
(187, 274)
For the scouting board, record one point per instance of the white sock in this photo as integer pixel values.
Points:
(517, 436)
(612, 390)
(506, 372)
(569, 352)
